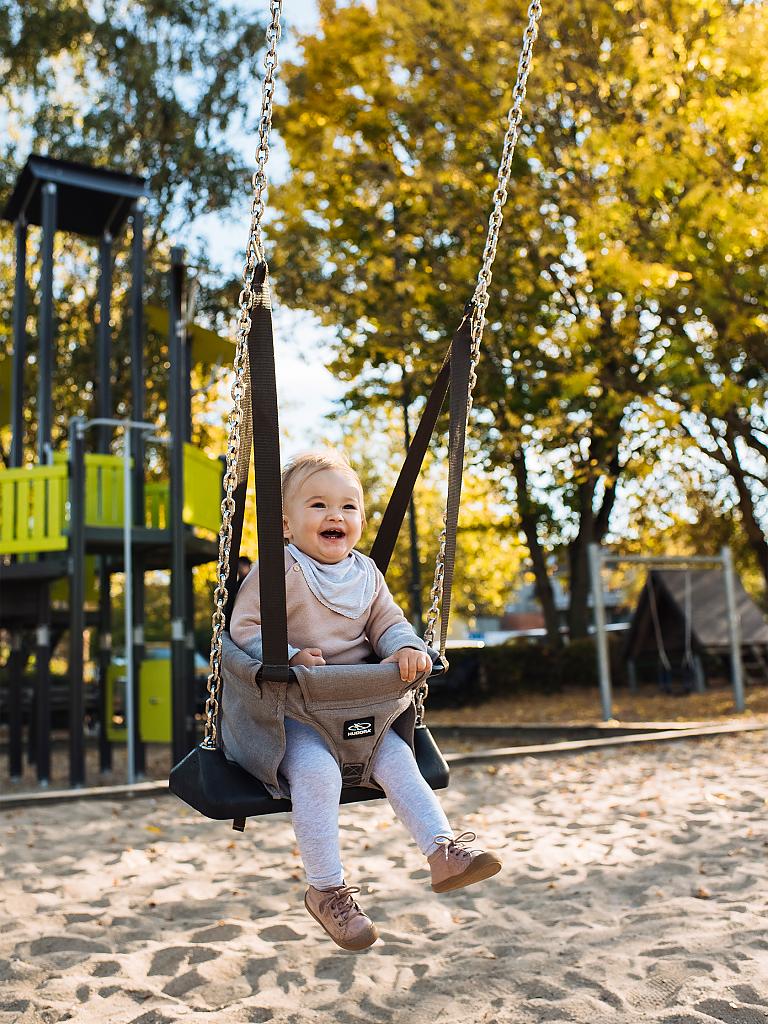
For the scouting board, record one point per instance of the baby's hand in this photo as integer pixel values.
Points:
(412, 663)
(309, 657)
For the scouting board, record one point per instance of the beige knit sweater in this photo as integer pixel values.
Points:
(382, 629)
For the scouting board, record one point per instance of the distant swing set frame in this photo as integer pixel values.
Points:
(599, 560)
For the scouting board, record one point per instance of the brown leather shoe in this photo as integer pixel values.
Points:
(453, 866)
(336, 911)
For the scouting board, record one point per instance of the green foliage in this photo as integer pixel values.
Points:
(150, 88)
(632, 236)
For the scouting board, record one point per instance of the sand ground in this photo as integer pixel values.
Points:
(634, 890)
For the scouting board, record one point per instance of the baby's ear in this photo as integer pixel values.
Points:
(286, 529)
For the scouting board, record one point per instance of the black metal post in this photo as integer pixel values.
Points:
(105, 660)
(15, 738)
(43, 686)
(137, 452)
(417, 613)
(103, 438)
(139, 747)
(190, 698)
(137, 358)
(46, 326)
(186, 384)
(104, 387)
(76, 601)
(19, 345)
(181, 729)
(32, 727)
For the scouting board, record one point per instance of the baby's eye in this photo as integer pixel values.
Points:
(317, 504)
(353, 507)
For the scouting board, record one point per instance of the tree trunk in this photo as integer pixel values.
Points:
(755, 536)
(529, 522)
(592, 528)
(578, 607)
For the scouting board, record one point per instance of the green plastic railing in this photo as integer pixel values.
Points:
(33, 500)
(32, 504)
(202, 489)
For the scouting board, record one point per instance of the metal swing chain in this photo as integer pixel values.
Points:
(254, 255)
(481, 296)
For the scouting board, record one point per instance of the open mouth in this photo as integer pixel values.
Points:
(333, 534)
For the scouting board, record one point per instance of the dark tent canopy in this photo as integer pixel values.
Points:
(697, 596)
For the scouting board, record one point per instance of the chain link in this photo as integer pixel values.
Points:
(481, 296)
(254, 254)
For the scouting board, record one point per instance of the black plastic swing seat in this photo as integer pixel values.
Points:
(221, 789)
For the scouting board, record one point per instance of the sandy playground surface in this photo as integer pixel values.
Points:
(634, 890)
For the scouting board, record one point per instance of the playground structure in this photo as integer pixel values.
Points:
(69, 519)
(691, 607)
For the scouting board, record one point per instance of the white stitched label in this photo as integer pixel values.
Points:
(358, 727)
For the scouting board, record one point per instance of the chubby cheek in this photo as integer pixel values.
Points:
(354, 528)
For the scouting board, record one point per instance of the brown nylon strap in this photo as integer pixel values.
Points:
(394, 514)
(269, 501)
(460, 367)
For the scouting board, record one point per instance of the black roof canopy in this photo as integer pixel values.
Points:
(91, 200)
(697, 604)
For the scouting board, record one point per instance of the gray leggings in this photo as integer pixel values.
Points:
(314, 779)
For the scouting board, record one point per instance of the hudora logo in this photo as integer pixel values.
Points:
(359, 728)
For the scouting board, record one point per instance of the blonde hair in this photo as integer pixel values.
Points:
(304, 465)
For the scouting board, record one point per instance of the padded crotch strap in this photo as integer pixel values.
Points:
(352, 706)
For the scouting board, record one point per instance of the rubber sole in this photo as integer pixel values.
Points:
(349, 946)
(484, 866)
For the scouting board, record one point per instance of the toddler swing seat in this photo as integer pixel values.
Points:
(340, 701)
(222, 788)
(350, 705)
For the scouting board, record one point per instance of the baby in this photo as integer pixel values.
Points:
(340, 611)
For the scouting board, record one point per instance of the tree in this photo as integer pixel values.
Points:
(692, 156)
(149, 88)
(394, 129)
(393, 126)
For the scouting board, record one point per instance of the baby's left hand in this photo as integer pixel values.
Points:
(412, 663)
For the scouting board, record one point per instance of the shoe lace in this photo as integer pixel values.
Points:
(457, 845)
(341, 904)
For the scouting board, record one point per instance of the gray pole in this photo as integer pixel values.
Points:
(76, 600)
(19, 345)
(130, 711)
(734, 631)
(43, 685)
(46, 327)
(601, 637)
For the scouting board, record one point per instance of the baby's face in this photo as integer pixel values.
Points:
(323, 516)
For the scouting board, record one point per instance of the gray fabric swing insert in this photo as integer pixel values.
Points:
(350, 706)
(221, 788)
